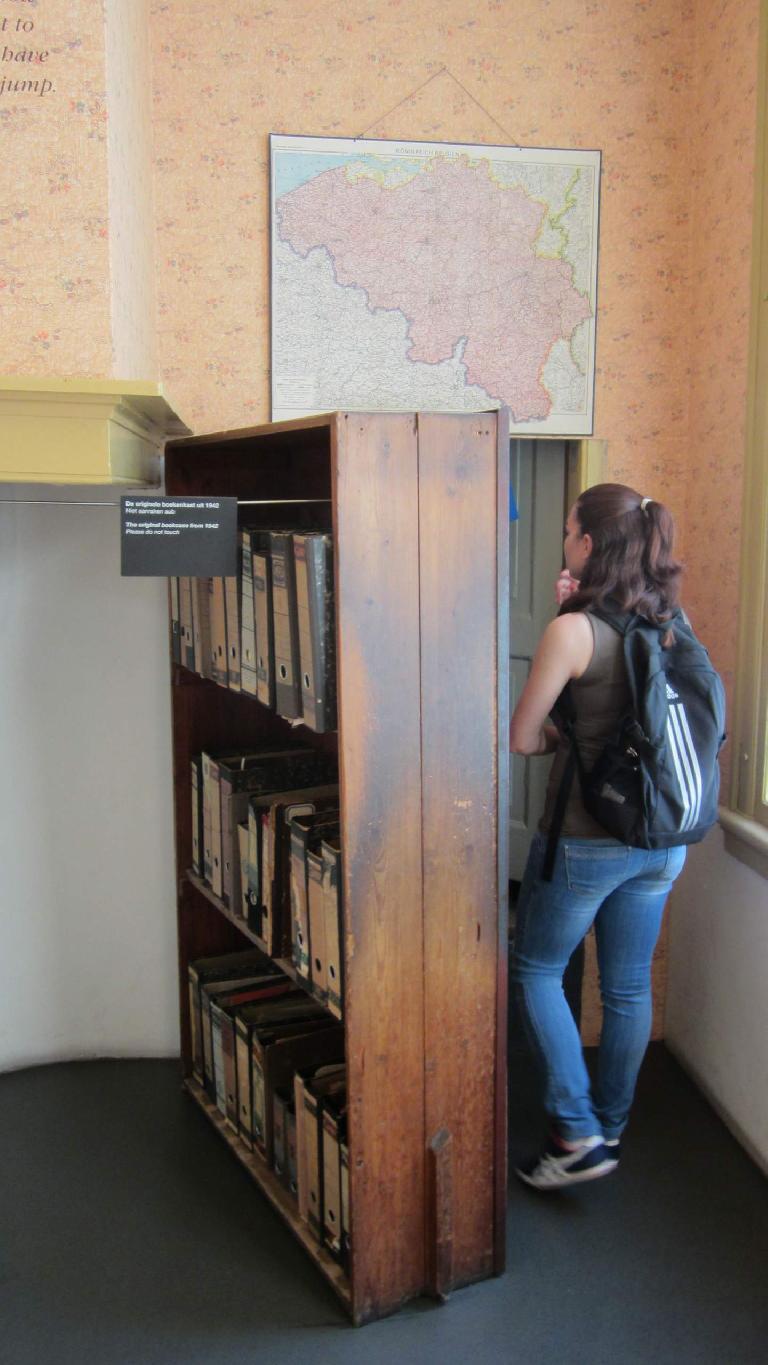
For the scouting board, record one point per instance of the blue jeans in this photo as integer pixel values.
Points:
(622, 891)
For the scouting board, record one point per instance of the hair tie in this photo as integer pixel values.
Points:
(644, 503)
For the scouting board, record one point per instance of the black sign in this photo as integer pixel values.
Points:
(166, 537)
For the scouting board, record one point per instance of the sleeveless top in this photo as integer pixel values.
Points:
(601, 697)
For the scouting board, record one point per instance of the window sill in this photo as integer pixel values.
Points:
(745, 839)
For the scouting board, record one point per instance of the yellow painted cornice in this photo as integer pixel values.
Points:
(89, 431)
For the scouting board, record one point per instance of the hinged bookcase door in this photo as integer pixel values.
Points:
(377, 538)
(464, 837)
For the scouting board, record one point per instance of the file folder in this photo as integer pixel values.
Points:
(286, 625)
(313, 558)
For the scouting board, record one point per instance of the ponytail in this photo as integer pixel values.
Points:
(632, 560)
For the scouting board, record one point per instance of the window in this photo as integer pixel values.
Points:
(745, 819)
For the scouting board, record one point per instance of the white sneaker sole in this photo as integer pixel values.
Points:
(567, 1177)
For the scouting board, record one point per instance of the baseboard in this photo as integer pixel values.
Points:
(760, 1159)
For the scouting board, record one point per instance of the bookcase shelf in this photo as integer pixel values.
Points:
(420, 519)
(284, 963)
(269, 1184)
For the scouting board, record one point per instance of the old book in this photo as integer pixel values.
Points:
(232, 613)
(334, 965)
(242, 881)
(196, 772)
(218, 619)
(316, 916)
(245, 1025)
(263, 620)
(286, 1012)
(173, 593)
(316, 1093)
(290, 1181)
(222, 968)
(224, 1020)
(254, 774)
(334, 1127)
(313, 558)
(282, 1101)
(344, 1156)
(260, 989)
(307, 1159)
(269, 859)
(247, 621)
(201, 611)
(207, 765)
(286, 625)
(246, 1021)
(186, 623)
(306, 831)
(269, 1067)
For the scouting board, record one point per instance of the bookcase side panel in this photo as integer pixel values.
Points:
(376, 510)
(458, 576)
(502, 844)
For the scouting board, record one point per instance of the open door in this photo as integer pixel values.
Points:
(538, 477)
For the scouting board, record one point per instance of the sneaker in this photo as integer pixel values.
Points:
(613, 1148)
(556, 1168)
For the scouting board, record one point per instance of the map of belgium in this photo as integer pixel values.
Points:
(425, 276)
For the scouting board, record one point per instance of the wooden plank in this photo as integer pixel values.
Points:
(276, 1193)
(459, 701)
(376, 523)
(502, 841)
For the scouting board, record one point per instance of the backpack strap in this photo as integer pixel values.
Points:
(564, 714)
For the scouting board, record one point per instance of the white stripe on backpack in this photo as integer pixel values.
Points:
(686, 765)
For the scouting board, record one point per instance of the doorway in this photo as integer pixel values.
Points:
(538, 474)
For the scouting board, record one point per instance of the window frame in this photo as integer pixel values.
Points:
(745, 816)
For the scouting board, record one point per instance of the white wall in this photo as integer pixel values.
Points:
(717, 1003)
(87, 911)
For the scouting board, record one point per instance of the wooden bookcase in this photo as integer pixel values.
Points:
(420, 510)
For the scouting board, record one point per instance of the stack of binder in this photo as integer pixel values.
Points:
(316, 931)
(269, 818)
(222, 785)
(322, 1157)
(270, 631)
(272, 1061)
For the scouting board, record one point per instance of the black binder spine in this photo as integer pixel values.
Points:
(317, 631)
(263, 620)
(286, 626)
(247, 620)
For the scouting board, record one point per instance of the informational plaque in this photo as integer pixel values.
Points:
(168, 537)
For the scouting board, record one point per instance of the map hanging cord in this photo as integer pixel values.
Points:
(442, 72)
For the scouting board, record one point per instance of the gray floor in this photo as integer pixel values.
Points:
(131, 1235)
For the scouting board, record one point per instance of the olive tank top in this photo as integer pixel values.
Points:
(601, 697)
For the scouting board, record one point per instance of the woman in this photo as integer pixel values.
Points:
(618, 545)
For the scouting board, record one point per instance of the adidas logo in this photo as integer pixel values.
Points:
(672, 695)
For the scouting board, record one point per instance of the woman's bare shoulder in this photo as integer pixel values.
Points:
(572, 633)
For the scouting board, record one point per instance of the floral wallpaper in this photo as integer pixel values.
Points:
(722, 170)
(54, 212)
(666, 88)
(131, 206)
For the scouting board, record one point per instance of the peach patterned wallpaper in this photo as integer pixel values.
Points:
(722, 166)
(615, 75)
(664, 87)
(131, 207)
(54, 251)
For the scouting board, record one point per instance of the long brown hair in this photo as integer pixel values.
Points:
(631, 561)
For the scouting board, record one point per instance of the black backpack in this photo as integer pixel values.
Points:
(657, 780)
